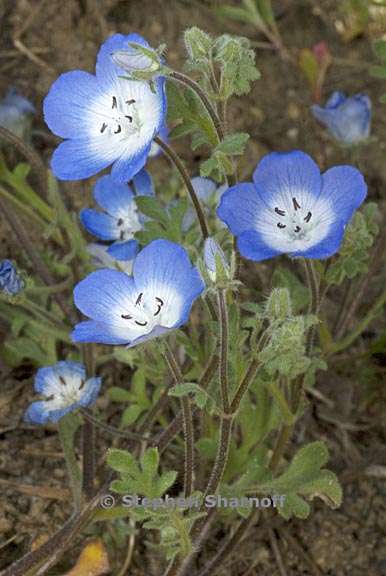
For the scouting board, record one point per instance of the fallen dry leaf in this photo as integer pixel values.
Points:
(93, 560)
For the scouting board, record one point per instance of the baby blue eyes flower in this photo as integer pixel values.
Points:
(65, 388)
(291, 208)
(10, 281)
(120, 219)
(128, 310)
(347, 118)
(16, 113)
(105, 119)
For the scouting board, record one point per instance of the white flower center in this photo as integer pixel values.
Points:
(128, 222)
(64, 392)
(145, 313)
(123, 120)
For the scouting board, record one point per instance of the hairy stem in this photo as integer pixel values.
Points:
(66, 435)
(176, 160)
(111, 429)
(187, 421)
(224, 349)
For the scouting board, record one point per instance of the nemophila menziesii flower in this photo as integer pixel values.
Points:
(347, 118)
(16, 113)
(128, 310)
(65, 388)
(290, 208)
(120, 219)
(105, 119)
(10, 281)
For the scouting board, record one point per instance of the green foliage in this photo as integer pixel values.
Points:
(305, 479)
(354, 254)
(136, 396)
(283, 277)
(379, 71)
(139, 478)
(278, 305)
(259, 13)
(220, 162)
(200, 396)
(161, 222)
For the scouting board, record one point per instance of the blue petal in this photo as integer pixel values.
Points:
(112, 196)
(156, 333)
(106, 70)
(64, 368)
(13, 98)
(283, 175)
(102, 225)
(77, 159)
(67, 103)
(124, 251)
(239, 208)
(252, 246)
(163, 132)
(326, 247)
(143, 184)
(91, 331)
(345, 188)
(126, 167)
(37, 413)
(336, 99)
(164, 263)
(90, 391)
(102, 292)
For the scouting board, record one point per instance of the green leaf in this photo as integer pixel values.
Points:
(131, 415)
(151, 207)
(122, 461)
(150, 462)
(118, 394)
(380, 49)
(233, 144)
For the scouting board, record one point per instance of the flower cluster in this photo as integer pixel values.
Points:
(65, 388)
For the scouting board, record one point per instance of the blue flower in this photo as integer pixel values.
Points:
(291, 208)
(16, 112)
(348, 119)
(209, 194)
(65, 387)
(120, 219)
(105, 118)
(131, 309)
(10, 281)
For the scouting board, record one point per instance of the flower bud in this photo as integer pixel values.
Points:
(198, 44)
(10, 281)
(215, 261)
(139, 62)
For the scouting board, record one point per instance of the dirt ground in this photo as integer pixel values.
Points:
(59, 35)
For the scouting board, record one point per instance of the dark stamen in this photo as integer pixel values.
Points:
(132, 101)
(115, 105)
(62, 380)
(160, 304)
(296, 204)
(126, 316)
(121, 235)
(118, 130)
(280, 225)
(138, 300)
(103, 128)
(308, 217)
(280, 212)
(120, 221)
(140, 323)
(297, 229)
(82, 383)
(130, 118)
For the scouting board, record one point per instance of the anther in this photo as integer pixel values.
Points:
(280, 225)
(297, 229)
(141, 323)
(132, 101)
(138, 300)
(126, 316)
(82, 383)
(296, 204)
(118, 130)
(280, 212)
(115, 104)
(103, 128)
(130, 118)
(122, 235)
(308, 217)
(160, 304)
(62, 380)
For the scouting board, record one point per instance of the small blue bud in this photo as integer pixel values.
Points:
(10, 281)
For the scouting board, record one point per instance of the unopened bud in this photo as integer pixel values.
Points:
(278, 306)
(215, 261)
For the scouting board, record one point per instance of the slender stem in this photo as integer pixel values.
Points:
(23, 207)
(111, 429)
(28, 153)
(314, 304)
(176, 160)
(88, 459)
(40, 267)
(221, 457)
(66, 435)
(224, 349)
(193, 85)
(244, 385)
(187, 422)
